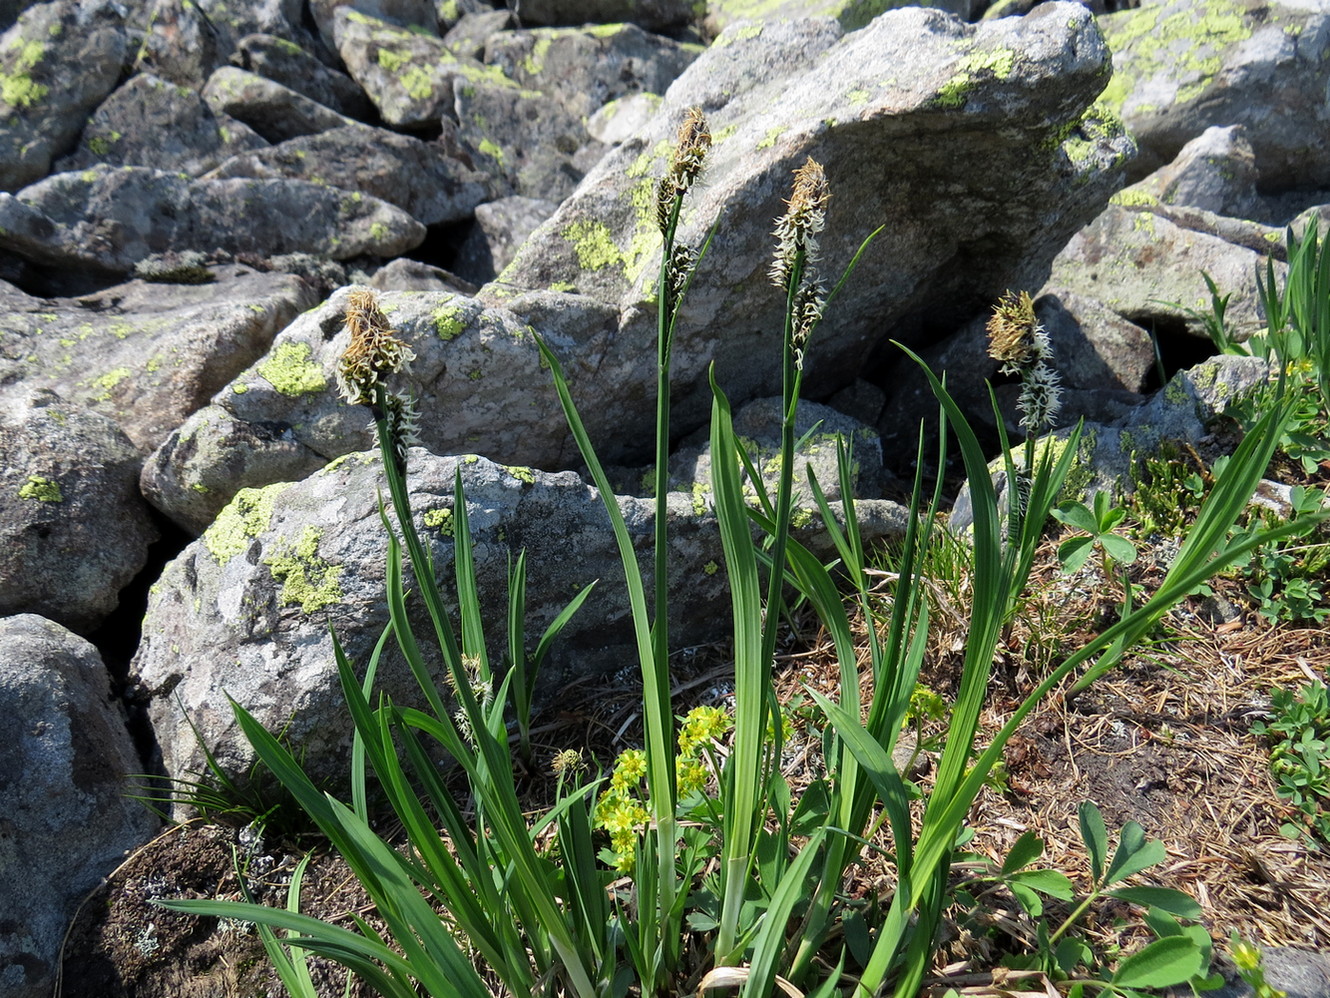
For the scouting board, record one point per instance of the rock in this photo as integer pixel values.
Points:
(818, 427)
(146, 355)
(851, 14)
(403, 274)
(501, 227)
(620, 119)
(150, 122)
(276, 112)
(1180, 66)
(1297, 973)
(418, 177)
(56, 64)
(66, 819)
(282, 419)
(653, 15)
(184, 41)
(113, 218)
(1110, 453)
(975, 112)
(419, 14)
(1102, 360)
(73, 526)
(530, 144)
(588, 67)
(1148, 269)
(410, 77)
(1215, 171)
(281, 565)
(466, 39)
(286, 63)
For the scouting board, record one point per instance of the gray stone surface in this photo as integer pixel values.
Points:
(260, 589)
(418, 177)
(419, 14)
(57, 63)
(468, 36)
(529, 143)
(110, 219)
(1215, 171)
(73, 528)
(588, 67)
(275, 112)
(500, 228)
(65, 821)
(1181, 66)
(410, 77)
(924, 123)
(851, 14)
(1142, 264)
(288, 64)
(145, 355)
(650, 14)
(185, 40)
(148, 121)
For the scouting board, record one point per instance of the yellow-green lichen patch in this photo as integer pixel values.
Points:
(1098, 126)
(955, 92)
(858, 96)
(563, 287)
(18, 89)
(1177, 42)
(492, 149)
(593, 244)
(535, 61)
(521, 473)
(801, 518)
(769, 140)
(1134, 199)
(307, 580)
(393, 60)
(291, 370)
(109, 381)
(700, 493)
(244, 518)
(41, 489)
(449, 322)
(710, 568)
(378, 231)
(440, 519)
(417, 83)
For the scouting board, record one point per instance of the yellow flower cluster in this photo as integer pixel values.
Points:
(622, 811)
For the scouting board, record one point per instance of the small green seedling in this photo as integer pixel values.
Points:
(1299, 734)
(1098, 524)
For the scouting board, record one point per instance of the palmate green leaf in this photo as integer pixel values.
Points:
(1118, 548)
(1077, 516)
(1074, 551)
(1048, 882)
(1164, 963)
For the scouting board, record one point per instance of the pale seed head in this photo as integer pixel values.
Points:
(373, 352)
(1013, 332)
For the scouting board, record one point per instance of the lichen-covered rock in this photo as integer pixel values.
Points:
(588, 67)
(185, 40)
(113, 218)
(288, 64)
(65, 818)
(1147, 267)
(245, 611)
(1181, 66)
(56, 64)
(501, 227)
(468, 36)
(1215, 171)
(1109, 455)
(529, 143)
(150, 122)
(971, 144)
(851, 14)
(410, 77)
(145, 354)
(275, 112)
(477, 373)
(73, 528)
(418, 177)
(422, 15)
(650, 14)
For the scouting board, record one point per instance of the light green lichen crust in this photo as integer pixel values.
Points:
(41, 489)
(307, 580)
(244, 518)
(594, 245)
(997, 64)
(18, 89)
(290, 369)
(1180, 42)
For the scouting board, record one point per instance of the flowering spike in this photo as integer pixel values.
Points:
(691, 143)
(796, 231)
(373, 352)
(1016, 338)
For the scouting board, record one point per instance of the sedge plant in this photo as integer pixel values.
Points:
(740, 886)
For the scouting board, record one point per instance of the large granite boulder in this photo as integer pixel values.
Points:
(73, 528)
(246, 610)
(65, 819)
(56, 64)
